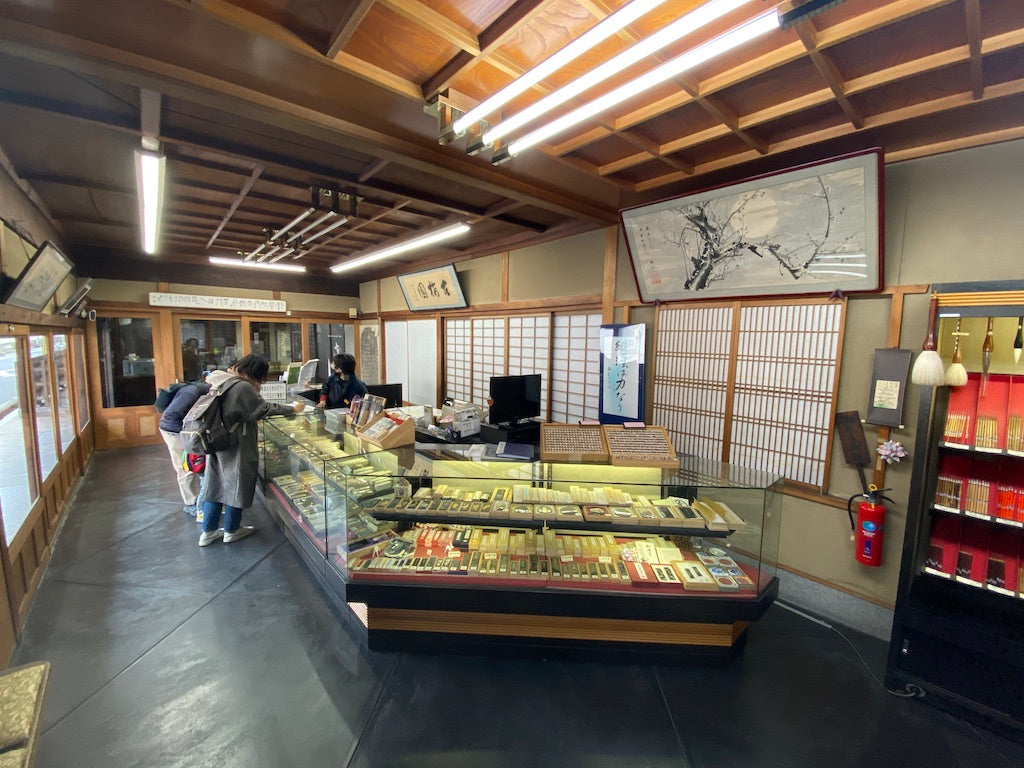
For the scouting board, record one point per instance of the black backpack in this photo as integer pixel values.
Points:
(164, 395)
(203, 429)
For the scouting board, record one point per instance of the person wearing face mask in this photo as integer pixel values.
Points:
(342, 385)
(231, 473)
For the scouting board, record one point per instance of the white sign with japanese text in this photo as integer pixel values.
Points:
(233, 303)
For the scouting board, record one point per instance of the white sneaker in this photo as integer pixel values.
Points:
(240, 533)
(206, 538)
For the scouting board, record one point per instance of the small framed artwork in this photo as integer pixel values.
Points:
(809, 230)
(40, 278)
(436, 288)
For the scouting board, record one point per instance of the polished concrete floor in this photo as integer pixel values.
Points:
(165, 654)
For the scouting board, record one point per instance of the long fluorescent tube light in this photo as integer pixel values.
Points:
(680, 28)
(319, 220)
(149, 177)
(280, 256)
(255, 252)
(293, 222)
(437, 236)
(325, 230)
(596, 34)
(715, 47)
(269, 253)
(224, 262)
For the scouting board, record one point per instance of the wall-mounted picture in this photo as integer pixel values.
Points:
(810, 230)
(40, 279)
(436, 288)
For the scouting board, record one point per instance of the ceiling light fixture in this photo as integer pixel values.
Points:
(596, 34)
(326, 229)
(294, 221)
(280, 256)
(445, 233)
(149, 179)
(225, 262)
(714, 47)
(319, 220)
(678, 29)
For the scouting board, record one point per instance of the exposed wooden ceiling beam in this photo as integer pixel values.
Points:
(932, 62)
(517, 15)
(926, 109)
(829, 73)
(785, 54)
(435, 23)
(972, 12)
(346, 27)
(242, 194)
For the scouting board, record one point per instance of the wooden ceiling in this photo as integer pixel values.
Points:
(255, 102)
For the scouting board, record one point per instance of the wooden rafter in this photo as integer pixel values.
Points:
(829, 73)
(435, 23)
(972, 11)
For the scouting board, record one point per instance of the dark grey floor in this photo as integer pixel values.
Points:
(165, 654)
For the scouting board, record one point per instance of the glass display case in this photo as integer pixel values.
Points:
(437, 540)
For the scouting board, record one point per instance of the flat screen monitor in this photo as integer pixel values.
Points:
(513, 398)
(392, 393)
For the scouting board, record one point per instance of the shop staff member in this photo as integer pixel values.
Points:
(342, 385)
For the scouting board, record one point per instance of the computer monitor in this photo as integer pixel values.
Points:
(392, 393)
(513, 398)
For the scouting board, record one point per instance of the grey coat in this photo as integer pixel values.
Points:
(231, 473)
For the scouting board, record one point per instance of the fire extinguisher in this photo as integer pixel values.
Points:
(869, 529)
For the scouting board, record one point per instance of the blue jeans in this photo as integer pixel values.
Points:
(211, 516)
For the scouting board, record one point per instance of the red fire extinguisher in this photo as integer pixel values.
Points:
(869, 529)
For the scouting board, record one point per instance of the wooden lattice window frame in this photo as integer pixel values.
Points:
(709, 387)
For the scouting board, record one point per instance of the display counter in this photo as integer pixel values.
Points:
(451, 549)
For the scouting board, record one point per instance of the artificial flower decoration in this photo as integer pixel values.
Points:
(892, 451)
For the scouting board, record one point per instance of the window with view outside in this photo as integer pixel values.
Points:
(17, 493)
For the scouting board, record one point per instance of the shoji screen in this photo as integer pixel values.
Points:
(529, 347)
(488, 355)
(691, 377)
(575, 367)
(751, 383)
(785, 382)
(458, 359)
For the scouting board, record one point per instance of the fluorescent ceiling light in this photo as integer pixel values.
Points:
(689, 23)
(602, 31)
(305, 229)
(325, 230)
(269, 253)
(409, 245)
(224, 262)
(149, 178)
(255, 252)
(280, 256)
(293, 222)
(715, 47)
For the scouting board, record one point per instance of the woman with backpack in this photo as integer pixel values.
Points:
(231, 472)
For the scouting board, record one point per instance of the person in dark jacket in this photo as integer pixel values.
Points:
(342, 385)
(231, 473)
(170, 431)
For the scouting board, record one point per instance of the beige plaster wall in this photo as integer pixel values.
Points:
(138, 291)
(570, 267)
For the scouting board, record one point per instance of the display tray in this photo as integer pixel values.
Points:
(299, 520)
(640, 447)
(357, 576)
(573, 443)
(578, 525)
